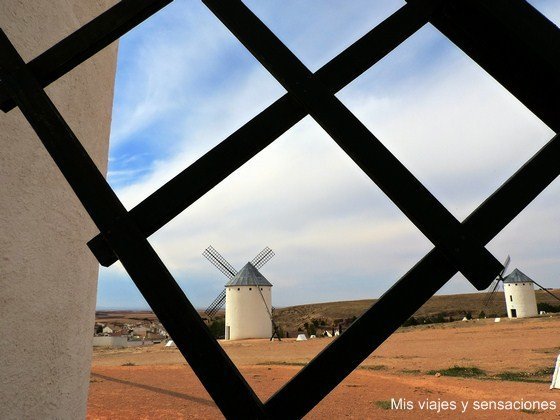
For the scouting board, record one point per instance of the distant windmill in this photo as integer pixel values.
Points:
(519, 293)
(247, 296)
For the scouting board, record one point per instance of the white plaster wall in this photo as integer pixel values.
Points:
(522, 299)
(246, 314)
(48, 277)
(108, 341)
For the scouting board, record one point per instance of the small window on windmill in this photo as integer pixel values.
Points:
(261, 288)
(510, 298)
(250, 288)
(238, 289)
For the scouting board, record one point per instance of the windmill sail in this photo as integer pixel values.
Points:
(262, 257)
(227, 269)
(219, 262)
(216, 305)
(490, 295)
(494, 286)
(506, 263)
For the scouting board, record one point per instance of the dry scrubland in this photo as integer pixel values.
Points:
(293, 317)
(510, 360)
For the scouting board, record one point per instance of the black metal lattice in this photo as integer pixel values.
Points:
(512, 41)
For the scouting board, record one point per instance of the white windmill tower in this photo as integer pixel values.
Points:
(519, 293)
(247, 296)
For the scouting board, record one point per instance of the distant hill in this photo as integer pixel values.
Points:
(332, 313)
(292, 318)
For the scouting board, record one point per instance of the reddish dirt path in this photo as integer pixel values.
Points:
(527, 344)
(173, 392)
(161, 386)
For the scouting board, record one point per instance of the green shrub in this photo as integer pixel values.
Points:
(410, 321)
(460, 371)
(385, 405)
(217, 328)
(311, 329)
(547, 307)
(523, 376)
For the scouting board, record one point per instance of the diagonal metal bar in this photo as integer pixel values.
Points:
(86, 41)
(405, 297)
(514, 43)
(208, 360)
(394, 179)
(216, 165)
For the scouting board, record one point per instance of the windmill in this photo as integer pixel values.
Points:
(519, 293)
(247, 296)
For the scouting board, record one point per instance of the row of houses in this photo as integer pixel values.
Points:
(127, 335)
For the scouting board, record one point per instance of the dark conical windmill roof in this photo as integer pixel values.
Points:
(517, 276)
(248, 276)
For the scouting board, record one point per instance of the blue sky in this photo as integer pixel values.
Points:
(184, 83)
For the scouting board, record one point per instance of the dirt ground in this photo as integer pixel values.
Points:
(156, 383)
